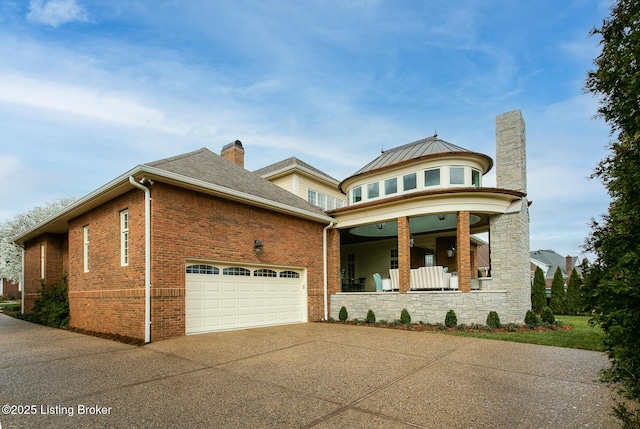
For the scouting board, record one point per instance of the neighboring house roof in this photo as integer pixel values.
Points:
(202, 171)
(550, 260)
(289, 164)
(430, 146)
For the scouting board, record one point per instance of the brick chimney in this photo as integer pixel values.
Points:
(568, 265)
(234, 152)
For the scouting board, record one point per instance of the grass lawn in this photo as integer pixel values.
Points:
(582, 336)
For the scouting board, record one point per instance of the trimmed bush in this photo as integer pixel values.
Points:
(547, 316)
(343, 315)
(556, 303)
(371, 317)
(51, 307)
(451, 320)
(493, 320)
(531, 319)
(538, 291)
(405, 317)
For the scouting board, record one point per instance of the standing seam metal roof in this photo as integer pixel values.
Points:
(428, 146)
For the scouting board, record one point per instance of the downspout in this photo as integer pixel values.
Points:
(147, 258)
(326, 275)
(22, 281)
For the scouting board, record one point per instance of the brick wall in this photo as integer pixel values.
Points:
(192, 226)
(110, 297)
(56, 259)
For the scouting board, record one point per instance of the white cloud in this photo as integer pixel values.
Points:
(56, 12)
(61, 98)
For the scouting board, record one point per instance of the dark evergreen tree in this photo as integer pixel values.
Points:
(612, 283)
(573, 303)
(556, 303)
(538, 291)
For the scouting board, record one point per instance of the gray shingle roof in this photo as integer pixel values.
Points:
(418, 149)
(554, 261)
(291, 163)
(209, 167)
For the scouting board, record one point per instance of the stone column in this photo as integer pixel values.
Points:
(404, 254)
(463, 252)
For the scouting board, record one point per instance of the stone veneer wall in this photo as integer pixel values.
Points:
(428, 307)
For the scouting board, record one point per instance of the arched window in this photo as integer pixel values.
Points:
(202, 269)
(265, 273)
(289, 274)
(236, 271)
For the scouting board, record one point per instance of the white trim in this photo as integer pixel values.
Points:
(124, 238)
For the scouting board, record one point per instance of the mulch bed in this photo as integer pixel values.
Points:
(114, 337)
(438, 328)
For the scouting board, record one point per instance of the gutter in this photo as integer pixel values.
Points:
(147, 257)
(326, 275)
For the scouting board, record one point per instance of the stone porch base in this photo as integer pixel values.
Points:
(428, 307)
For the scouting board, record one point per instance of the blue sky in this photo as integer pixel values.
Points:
(90, 89)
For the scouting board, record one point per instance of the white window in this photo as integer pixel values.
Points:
(331, 203)
(124, 238)
(356, 195)
(311, 197)
(86, 248)
(393, 261)
(409, 182)
(339, 204)
(391, 186)
(456, 176)
(42, 261)
(475, 178)
(322, 201)
(432, 177)
(373, 190)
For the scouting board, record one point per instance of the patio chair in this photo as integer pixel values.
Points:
(394, 274)
(378, 279)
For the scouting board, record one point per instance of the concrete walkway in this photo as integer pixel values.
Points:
(297, 376)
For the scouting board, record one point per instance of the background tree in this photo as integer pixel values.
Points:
(556, 303)
(538, 291)
(573, 303)
(10, 254)
(612, 283)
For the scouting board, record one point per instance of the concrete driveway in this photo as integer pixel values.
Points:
(296, 376)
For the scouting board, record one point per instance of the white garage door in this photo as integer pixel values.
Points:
(224, 297)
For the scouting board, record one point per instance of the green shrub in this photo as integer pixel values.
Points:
(51, 307)
(451, 320)
(405, 317)
(343, 315)
(531, 319)
(547, 316)
(371, 317)
(512, 327)
(493, 320)
(440, 326)
(462, 328)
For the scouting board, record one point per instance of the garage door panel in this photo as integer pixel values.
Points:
(217, 301)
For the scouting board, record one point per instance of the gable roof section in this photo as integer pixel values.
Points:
(430, 146)
(553, 260)
(201, 170)
(209, 167)
(290, 164)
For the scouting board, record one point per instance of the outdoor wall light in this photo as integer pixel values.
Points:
(451, 252)
(380, 225)
(257, 246)
(442, 216)
(411, 241)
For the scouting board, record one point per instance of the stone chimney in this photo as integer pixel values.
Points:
(511, 156)
(234, 152)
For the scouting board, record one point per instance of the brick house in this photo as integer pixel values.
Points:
(9, 288)
(196, 243)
